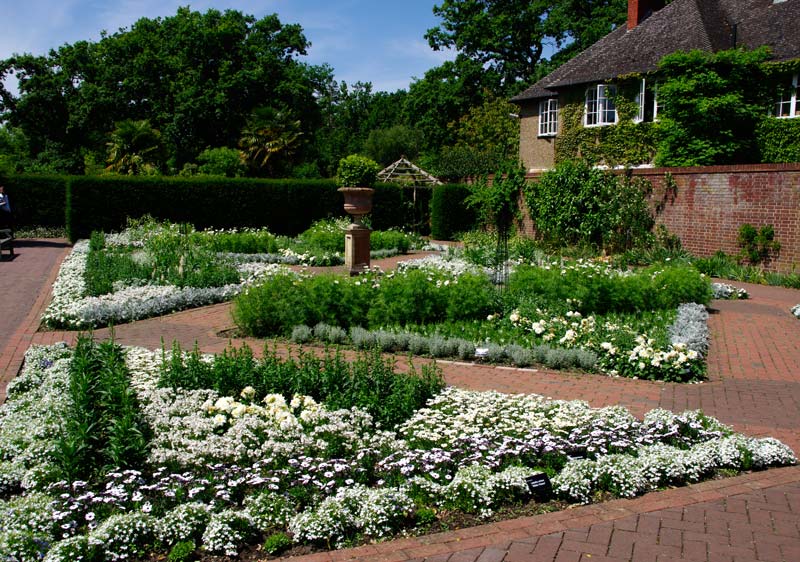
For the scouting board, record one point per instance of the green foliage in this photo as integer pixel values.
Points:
(103, 427)
(106, 203)
(389, 145)
(357, 171)
(713, 103)
(726, 267)
(497, 202)
(195, 76)
(269, 139)
(415, 298)
(183, 551)
(655, 288)
(243, 242)
(221, 162)
(758, 244)
(454, 163)
(492, 128)
(37, 200)
(135, 148)
(277, 542)
(575, 204)
(779, 139)
(450, 213)
(369, 382)
(328, 236)
(282, 302)
(508, 37)
(624, 144)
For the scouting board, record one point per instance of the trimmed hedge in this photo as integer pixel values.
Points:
(449, 212)
(395, 205)
(36, 200)
(285, 206)
(87, 203)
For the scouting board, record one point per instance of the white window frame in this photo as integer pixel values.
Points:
(655, 102)
(599, 105)
(792, 101)
(548, 117)
(640, 101)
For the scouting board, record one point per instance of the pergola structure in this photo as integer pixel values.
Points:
(407, 173)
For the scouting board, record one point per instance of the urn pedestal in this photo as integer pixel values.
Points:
(357, 203)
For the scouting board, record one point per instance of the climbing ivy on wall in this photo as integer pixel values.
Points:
(624, 144)
(779, 140)
(715, 111)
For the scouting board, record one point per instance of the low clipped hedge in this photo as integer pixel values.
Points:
(449, 212)
(593, 292)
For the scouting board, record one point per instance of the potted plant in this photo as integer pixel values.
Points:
(356, 176)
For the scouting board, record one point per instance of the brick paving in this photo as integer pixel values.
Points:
(754, 385)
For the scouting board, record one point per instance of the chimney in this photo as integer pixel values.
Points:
(640, 10)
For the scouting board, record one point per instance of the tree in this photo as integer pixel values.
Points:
(442, 96)
(509, 36)
(389, 145)
(491, 127)
(135, 149)
(713, 103)
(272, 135)
(221, 162)
(195, 76)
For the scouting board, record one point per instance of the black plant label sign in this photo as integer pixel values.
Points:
(540, 486)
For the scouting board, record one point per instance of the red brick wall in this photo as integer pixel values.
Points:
(710, 203)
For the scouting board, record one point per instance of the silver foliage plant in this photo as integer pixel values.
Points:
(691, 327)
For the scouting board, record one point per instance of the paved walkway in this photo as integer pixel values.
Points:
(754, 386)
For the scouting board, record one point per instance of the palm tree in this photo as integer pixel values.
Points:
(135, 148)
(271, 134)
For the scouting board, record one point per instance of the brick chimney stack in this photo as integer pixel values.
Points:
(639, 10)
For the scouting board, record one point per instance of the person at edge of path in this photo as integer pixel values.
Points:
(5, 209)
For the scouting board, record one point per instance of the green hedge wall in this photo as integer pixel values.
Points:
(399, 206)
(86, 203)
(285, 206)
(36, 200)
(449, 212)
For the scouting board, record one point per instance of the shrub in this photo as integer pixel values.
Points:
(758, 244)
(575, 204)
(449, 211)
(277, 542)
(181, 552)
(357, 171)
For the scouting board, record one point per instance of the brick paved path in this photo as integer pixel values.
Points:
(754, 385)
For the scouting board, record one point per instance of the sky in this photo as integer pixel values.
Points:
(378, 41)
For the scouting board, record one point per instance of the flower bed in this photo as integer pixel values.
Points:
(227, 470)
(561, 315)
(153, 268)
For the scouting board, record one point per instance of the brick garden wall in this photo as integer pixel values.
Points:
(709, 204)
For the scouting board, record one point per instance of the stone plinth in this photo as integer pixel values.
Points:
(356, 248)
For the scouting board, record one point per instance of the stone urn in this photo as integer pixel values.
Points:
(357, 203)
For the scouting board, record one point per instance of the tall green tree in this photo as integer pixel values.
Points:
(195, 76)
(510, 36)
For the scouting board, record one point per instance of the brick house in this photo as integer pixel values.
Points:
(588, 83)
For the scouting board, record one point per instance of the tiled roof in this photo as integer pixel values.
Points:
(682, 25)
